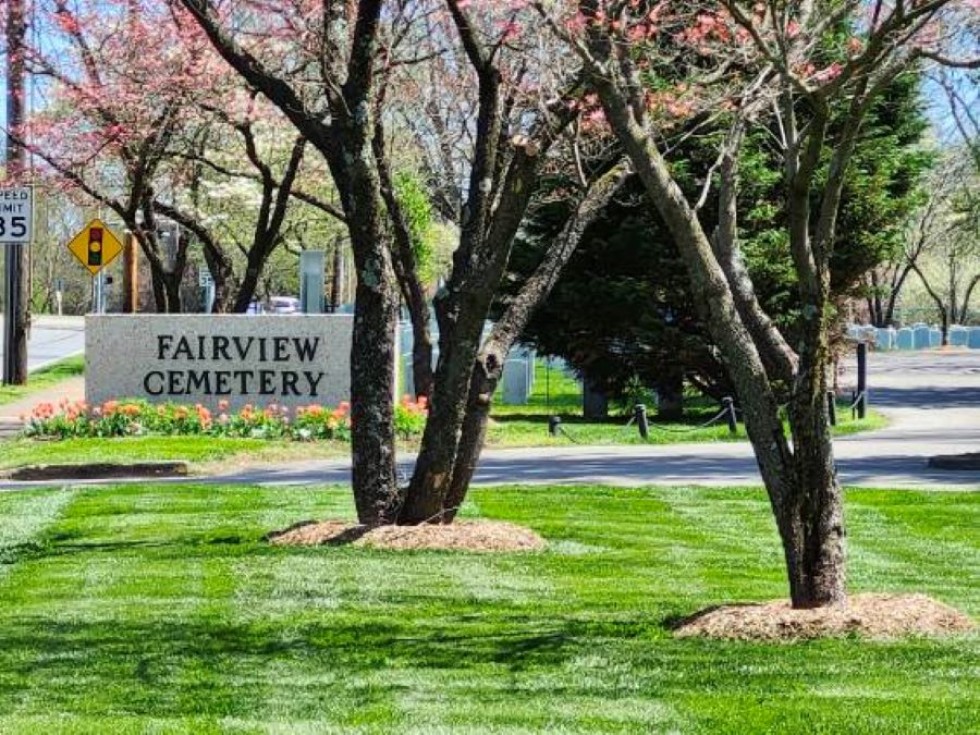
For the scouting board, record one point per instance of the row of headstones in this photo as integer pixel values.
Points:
(918, 337)
(518, 377)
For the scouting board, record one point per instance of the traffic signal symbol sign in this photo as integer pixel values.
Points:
(95, 246)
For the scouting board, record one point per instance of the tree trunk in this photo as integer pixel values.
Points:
(372, 390)
(964, 313)
(171, 285)
(489, 366)
(595, 402)
(345, 143)
(802, 491)
(813, 544)
(374, 475)
(336, 276)
(422, 377)
(159, 291)
(896, 289)
(670, 393)
(249, 284)
(875, 306)
(406, 267)
(223, 277)
(809, 508)
(937, 300)
(503, 177)
(458, 346)
(483, 383)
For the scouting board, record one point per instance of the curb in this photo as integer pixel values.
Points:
(100, 471)
(969, 461)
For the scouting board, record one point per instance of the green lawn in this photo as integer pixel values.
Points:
(531, 430)
(555, 393)
(160, 609)
(199, 450)
(43, 379)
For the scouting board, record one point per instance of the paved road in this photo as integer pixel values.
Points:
(53, 338)
(932, 401)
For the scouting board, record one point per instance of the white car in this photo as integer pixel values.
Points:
(284, 305)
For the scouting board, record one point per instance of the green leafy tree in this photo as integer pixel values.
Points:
(623, 307)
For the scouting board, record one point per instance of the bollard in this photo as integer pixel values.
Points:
(832, 408)
(862, 378)
(729, 405)
(858, 405)
(554, 425)
(640, 413)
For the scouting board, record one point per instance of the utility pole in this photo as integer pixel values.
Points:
(17, 274)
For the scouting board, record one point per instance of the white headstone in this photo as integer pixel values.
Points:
(516, 389)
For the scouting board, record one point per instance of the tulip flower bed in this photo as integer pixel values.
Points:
(139, 418)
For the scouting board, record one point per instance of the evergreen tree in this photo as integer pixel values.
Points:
(622, 311)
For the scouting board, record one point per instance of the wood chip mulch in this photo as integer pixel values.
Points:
(868, 615)
(478, 536)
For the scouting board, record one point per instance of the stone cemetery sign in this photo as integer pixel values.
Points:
(288, 360)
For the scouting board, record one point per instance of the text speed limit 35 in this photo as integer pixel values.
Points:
(16, 215)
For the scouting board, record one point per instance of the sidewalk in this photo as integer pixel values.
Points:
(10, 422)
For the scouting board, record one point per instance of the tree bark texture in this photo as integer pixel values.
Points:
(800, 480)
(345, 143)
(406, 271)
(503, 177)
(505, 333)
(19, 311)
(670, 393)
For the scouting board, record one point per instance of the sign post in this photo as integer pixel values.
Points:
(206, 282)
(311, 272)
(59, 293)
(16, 233)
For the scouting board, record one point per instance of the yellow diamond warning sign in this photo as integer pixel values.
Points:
(95, 246)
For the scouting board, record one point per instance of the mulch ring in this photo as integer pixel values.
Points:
(868, 615)
(479, 536)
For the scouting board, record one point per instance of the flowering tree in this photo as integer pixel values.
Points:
(350, 78)
(317, 62)
(233, 172)
(652, 63)
(169, 135)
(112, 116)
(507, 109)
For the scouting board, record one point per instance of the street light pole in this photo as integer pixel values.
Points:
(16, 285)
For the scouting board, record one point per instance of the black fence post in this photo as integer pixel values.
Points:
(640, 413)
(554, 425)
(862, 387)
(832, 407)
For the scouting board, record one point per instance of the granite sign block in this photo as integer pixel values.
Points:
(288, 360)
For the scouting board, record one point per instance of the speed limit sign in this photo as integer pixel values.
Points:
(16, 215)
